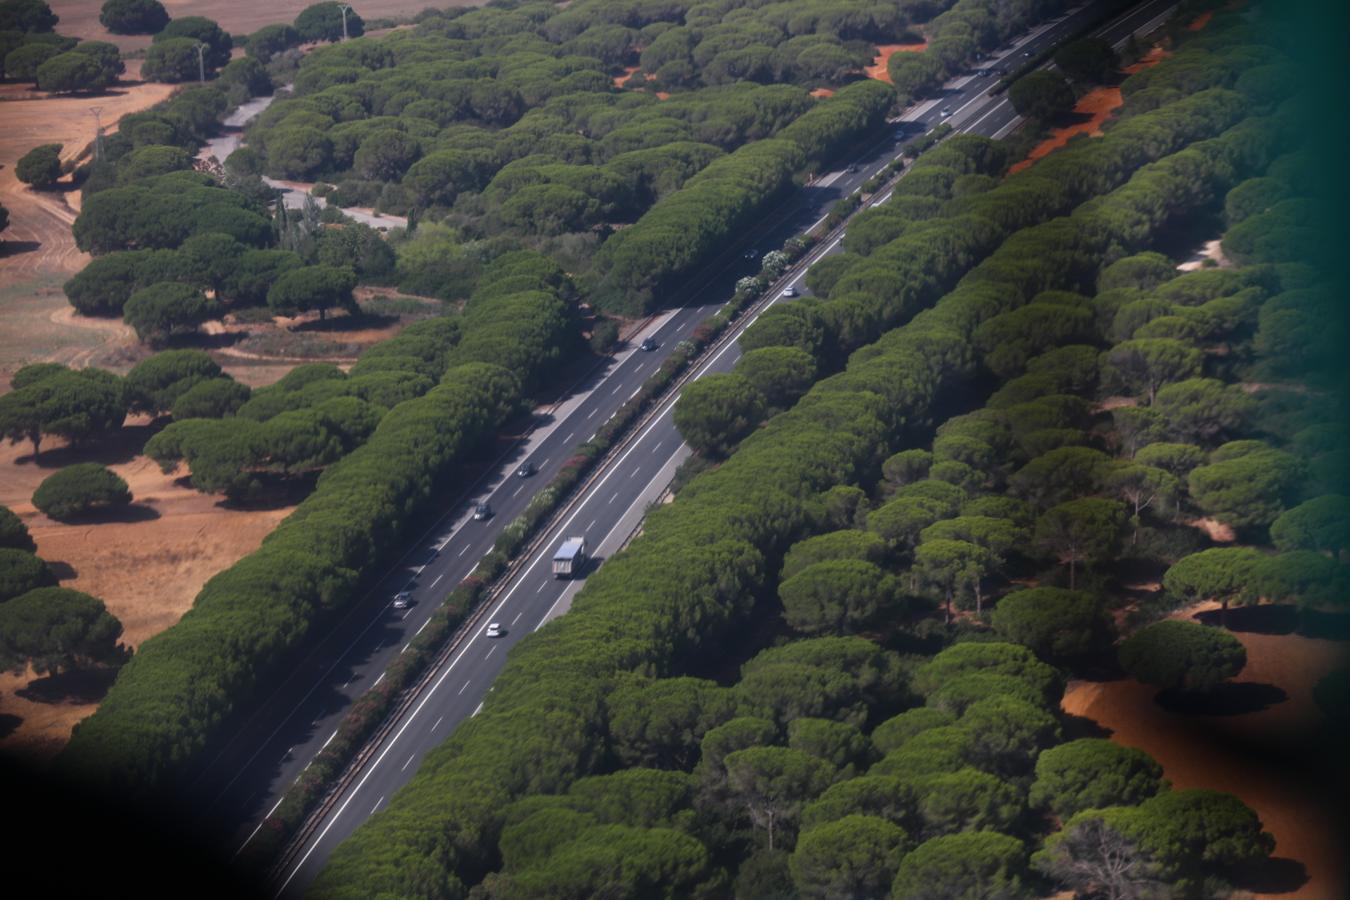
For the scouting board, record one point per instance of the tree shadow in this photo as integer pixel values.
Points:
(114, 515)
(200, 340)
(273, 491)
(1274, 875)
(76, 686)
(1076, 727)
(1233, 698)
(63, 571)
(349, 322)
(9, 723)
(120, 445)
(18, 248)
(1326, 625)
(1271, 619)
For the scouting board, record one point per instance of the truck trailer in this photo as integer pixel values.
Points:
(570, 559)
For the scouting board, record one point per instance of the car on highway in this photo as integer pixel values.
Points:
(946, 111)
(852, 169)
(752, 253)
(648, 344)
(493, 630)
(482, 511)
(1027, 54)
(403, 600)
(789, 291)
(526, 470)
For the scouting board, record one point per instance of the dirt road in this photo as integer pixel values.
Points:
(38, 253)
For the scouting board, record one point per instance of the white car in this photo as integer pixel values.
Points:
(789, 292)
(946, 111)
(494, 630)
(403, 599)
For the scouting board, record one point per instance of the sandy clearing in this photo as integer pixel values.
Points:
(1211, 251)
(147, 569)
(628, 72)
(1216, 531)
(1235, 753)
(822, 92)
(878, 68)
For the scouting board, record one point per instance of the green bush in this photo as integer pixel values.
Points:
(133, 16)
(81, 488)
(40, 167)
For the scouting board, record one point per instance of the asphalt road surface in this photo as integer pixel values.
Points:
(247, 777)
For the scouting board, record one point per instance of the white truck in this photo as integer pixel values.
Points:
(570, 558)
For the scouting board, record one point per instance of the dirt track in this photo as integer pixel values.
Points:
(38, 252)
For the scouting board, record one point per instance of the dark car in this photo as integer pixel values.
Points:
(752, 253)
(402, 600)
(526, 470)
(482, 511)
(648, 344)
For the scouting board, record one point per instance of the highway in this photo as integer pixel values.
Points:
(246, 776)
(611, 510)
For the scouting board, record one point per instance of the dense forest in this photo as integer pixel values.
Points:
(174, 247)
(600, 135)
(832, 667)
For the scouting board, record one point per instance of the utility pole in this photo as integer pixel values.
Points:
(98, 132)
(201, 62)
(345, 9)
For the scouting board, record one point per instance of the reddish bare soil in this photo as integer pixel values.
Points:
(1091, 111)
(1200, 21)
(878, 69)
(822, 93)
(1208, 751)
(147, 565)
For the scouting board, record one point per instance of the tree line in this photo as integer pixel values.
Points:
(250, 620)
(944, 216)
(638, 267)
